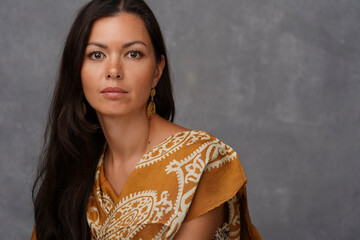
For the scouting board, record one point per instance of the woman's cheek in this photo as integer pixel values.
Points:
(146, 74)
(88, 75)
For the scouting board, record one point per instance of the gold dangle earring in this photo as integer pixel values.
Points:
(151, 109)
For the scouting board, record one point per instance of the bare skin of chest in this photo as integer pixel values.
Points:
(118, 175)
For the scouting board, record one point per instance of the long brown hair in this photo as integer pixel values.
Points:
(74, 140)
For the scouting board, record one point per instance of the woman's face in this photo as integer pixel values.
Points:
(119, 67)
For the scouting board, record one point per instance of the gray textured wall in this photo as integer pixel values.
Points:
(277, 80)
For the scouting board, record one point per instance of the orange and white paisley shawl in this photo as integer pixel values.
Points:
(185, 176)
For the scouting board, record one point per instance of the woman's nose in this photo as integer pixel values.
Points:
(113, 76)
(114, 70)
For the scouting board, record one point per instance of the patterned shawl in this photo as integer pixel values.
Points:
(185, 176)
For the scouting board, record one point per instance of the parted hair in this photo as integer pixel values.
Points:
(73, 140)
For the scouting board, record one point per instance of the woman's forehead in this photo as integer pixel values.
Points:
(121, 28)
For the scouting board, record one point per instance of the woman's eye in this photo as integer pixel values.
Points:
(96, 55)
(134, 54)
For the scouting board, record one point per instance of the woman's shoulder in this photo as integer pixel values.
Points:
(193, 143)
(165, 128)
(200, 139)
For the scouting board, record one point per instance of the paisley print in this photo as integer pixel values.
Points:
(185, 176)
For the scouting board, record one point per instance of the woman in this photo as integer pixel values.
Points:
(114, 165)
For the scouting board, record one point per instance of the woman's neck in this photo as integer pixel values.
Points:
(127, 137)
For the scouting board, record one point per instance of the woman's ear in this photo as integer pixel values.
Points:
(159, 70)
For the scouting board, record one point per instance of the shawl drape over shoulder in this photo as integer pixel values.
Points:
(185, 176)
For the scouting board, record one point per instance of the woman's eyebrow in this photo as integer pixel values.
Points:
(126, 45)
(98, 45)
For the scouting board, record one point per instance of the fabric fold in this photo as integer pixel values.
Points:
(180, 179)
(185, 176)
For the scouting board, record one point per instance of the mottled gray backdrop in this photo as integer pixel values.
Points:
(277, 80)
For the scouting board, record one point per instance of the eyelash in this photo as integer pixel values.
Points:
(91, 55)
(140, 54)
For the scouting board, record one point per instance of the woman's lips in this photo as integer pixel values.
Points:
(113, 92)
